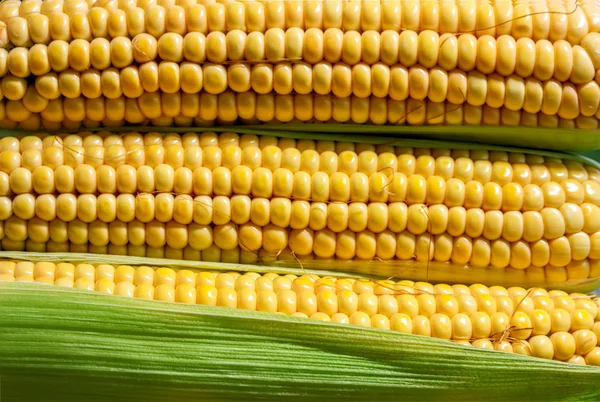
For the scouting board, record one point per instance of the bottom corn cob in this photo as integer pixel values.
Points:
(535, 322)
(61, 344)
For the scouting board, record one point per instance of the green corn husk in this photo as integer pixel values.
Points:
(68, 345)
(595, 155)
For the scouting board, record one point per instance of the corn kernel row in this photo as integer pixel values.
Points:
(15, 8)
(296, 175)
(580, 224)
(105, 139)
(34, 122)
(531, 204)
(557, 327)
(399, 83)
(567, 250)
(150, 151)
(552, 20)
(514, 93)
(396, 217)
(154, 148)
(410, 297)
(208, 149)
(380, 287)
(162, 109)
(527, 299)
(505, 55)
(493, 117)
(571, 312)
(42, 140)
(308, 176)
(305, 175)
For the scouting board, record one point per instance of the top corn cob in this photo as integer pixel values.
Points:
(189, 63)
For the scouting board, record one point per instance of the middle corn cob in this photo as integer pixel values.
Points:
(244, 199)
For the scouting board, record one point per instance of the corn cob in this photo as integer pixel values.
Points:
(245, 199)
(535, 322)
(186, 348)
(39, 22)
(512, 78)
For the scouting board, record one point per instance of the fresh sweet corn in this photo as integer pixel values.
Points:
(248, 199)
(513, 320)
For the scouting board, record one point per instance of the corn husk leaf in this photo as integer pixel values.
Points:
(434, 272)
(70, 345)
(594, 155)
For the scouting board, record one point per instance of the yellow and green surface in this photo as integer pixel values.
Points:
(438, 205)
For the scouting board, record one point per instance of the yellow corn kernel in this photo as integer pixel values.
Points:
(85, 271)
(126, 289)
(564, 345)
(64, 282)
(84, 283)
(581, 319)
(164, 276)
(44, 272)
(143, 275)
(185, 293)
(65, 270)
(105, 286)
